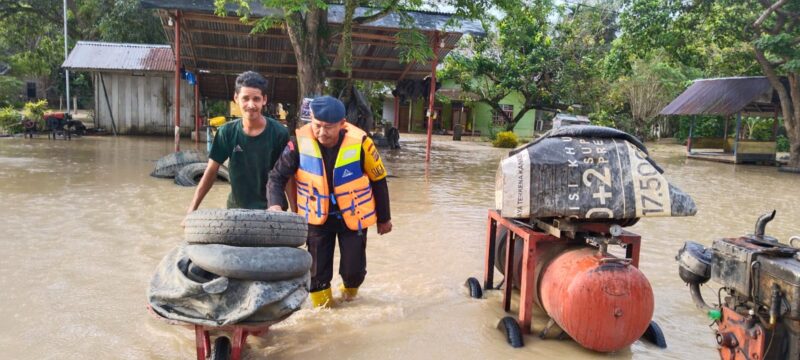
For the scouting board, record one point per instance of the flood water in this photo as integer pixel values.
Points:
(84, 225)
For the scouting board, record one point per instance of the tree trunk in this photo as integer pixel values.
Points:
(790, 105)
(304, 34)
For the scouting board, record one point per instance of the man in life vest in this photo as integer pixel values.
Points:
(341, 191)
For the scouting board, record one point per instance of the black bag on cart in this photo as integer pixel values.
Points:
(586, 172)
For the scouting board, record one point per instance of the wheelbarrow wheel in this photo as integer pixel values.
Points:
(654, 335)
(474, 286)
(222, 349)
(511, 330)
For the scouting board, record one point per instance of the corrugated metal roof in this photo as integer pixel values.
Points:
(424, 20)
(91, 56)
(724, 96)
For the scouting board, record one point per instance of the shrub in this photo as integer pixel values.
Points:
(10, 121)
(506, 139)
(782, 143)
(35, 111)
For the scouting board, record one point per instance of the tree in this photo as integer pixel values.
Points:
(704, 35)
(776, 45)
(32, 42)
(306, 23)
(518, 56)
(701, 39)
(583, 36)
(653, 83)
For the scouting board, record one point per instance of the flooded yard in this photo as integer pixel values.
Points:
(84, 226)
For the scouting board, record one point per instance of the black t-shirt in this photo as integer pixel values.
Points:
(251, 159)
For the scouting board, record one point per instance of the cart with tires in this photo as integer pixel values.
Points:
(230, 339)
(239, 272)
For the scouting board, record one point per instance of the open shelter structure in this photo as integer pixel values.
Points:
(216, 49)
(729, 97)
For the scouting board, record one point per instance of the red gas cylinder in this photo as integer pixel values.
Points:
(603, 303)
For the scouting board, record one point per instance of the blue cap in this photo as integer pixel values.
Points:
(328, 109)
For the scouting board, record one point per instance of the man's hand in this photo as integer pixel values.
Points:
(183, 222)
(274, 208)
(385, 228)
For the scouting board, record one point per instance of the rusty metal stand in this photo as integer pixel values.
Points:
(238, 342)
(534, 242)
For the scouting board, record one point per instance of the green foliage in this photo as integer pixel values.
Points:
(413, 45)
(757, 128)
(517, 55)
(35, 110)
(32, 40)
(603, 118)
(121, 21)
(217, 108)
(701, 34)
(704, 126)
(9, 120)
(583, 37)
(782, 143)
(506, 139)
(10, 90)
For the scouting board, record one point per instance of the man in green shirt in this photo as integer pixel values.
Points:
(252, 145)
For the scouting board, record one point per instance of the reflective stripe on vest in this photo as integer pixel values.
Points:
(351, 187)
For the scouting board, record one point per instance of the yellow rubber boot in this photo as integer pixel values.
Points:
(321, 299)
(348, 294)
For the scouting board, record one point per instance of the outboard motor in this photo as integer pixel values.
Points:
(759, 318)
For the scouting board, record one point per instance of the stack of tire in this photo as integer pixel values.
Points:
(186, 167)
(248, 244)
(237, 266)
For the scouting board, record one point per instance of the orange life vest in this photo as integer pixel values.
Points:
(352, 191)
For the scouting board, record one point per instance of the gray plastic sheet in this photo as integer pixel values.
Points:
(222, 301)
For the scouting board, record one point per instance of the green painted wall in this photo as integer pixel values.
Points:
(482, 114)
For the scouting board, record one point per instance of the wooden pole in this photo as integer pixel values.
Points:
(177, 102)
(725, 132)
(197, 111)
(432, 96)
(738, 133)
(396, 112)
(410, 112)
(691, 130)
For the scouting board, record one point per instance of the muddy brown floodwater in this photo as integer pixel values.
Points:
(83, 227)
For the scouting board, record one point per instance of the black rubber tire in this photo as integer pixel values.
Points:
(168, 166)
(474, 287)
(198, 274)
(244, 227)
(253, 263)
(508, 325)
(221, 349)
(654, 335)
(191, 174)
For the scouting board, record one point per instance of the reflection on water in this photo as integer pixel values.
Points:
(84, 226)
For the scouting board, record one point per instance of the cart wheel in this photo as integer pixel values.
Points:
(474, 286)
(654, 335)
(508, 325)
(222, 349)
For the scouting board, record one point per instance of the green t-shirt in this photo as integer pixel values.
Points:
(251, 159)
